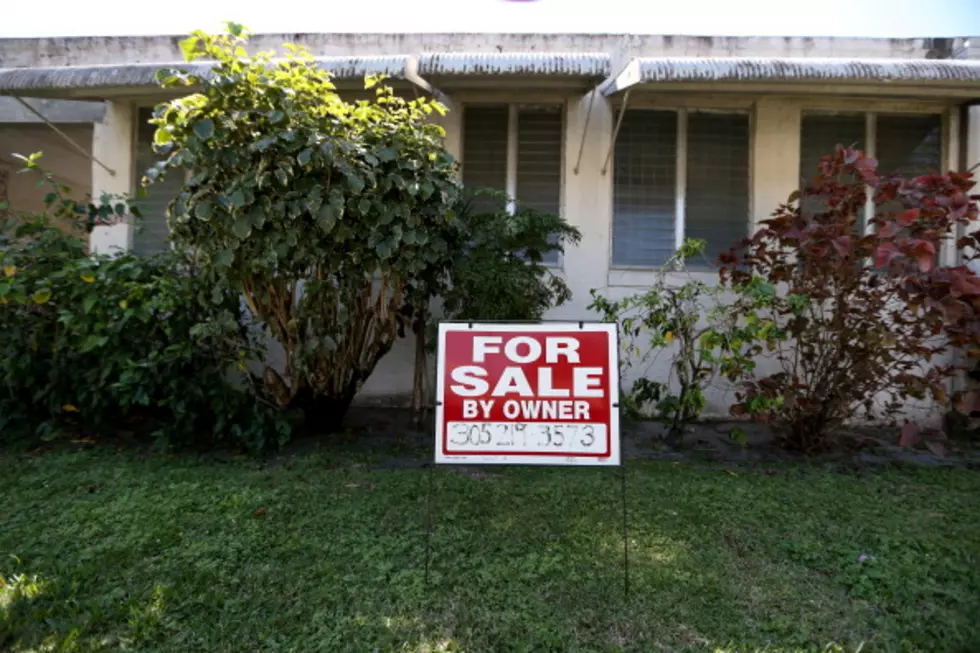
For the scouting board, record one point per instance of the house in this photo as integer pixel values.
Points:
(638, 140)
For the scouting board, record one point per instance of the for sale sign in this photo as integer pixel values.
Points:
(543, 394)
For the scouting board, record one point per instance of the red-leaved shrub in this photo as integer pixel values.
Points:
(871, 314)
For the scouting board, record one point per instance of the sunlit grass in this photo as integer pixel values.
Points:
(103, 551)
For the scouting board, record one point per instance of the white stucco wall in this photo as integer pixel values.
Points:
(587, 203)
(68, 166)
(775, 116)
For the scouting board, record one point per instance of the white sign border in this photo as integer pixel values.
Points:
(610, 328)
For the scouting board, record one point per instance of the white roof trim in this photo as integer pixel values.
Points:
(653, 70)
(555, 64)
(25, 80)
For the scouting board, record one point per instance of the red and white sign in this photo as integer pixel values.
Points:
(544, 394)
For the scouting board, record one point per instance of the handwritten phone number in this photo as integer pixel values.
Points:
(525, 435)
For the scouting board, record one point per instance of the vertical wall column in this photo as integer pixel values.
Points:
(586, 198)
(452, 122)
(113, 144)
(775, 157)
(968, 141)
(971, 150)
(953, 157)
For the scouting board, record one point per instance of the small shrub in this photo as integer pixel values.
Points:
(493, 269)
(865, 312)
(97, 344)
(705, 336)
(496, 269)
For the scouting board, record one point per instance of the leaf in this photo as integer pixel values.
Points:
(386, 154)
(199, 177)
(305, 156)
(242, 227)
(92, 342)
(262, 144)
(123, 304)
(356, 183)
(842, 246)
(890, 230)
(224, 258)
(238, 199)
(9, 270)
(937, 448)
(925, 256)
(885, 254)
(70, 408)
(329, 213)
(41, 297)
(204, 210)
(162, 136)
(909, 435)
(907, 217)
(189, 48)
(204, 129)
(89, 303)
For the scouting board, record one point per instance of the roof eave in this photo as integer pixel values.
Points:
(139, 80)
(956, 77)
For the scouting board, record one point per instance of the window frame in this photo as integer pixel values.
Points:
(513, 130)
(682, 111)
(946, 130)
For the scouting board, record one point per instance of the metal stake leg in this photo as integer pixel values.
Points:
(626, 540)
(428, 524)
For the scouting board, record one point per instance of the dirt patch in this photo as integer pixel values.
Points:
(408, 446)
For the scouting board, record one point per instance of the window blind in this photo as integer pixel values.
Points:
(820, 135)
(717, 197)
(644, 169)
(151, 234)
(539, 161)
(910, 145)
(485, 153)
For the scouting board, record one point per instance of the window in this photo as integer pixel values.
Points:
(679, 174)
(909, 144)
(820, 135)
(516, 149)
(152, 234)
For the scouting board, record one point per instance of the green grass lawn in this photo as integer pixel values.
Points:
(106, 551)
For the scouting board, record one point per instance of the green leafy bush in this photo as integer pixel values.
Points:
(493, 269)
(98, 344)
(705, 335)
(322, 213)
(496, 268)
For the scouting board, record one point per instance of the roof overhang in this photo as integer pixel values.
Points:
(56, 111)
(514, 70)
(913, 77)
(106, 82)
